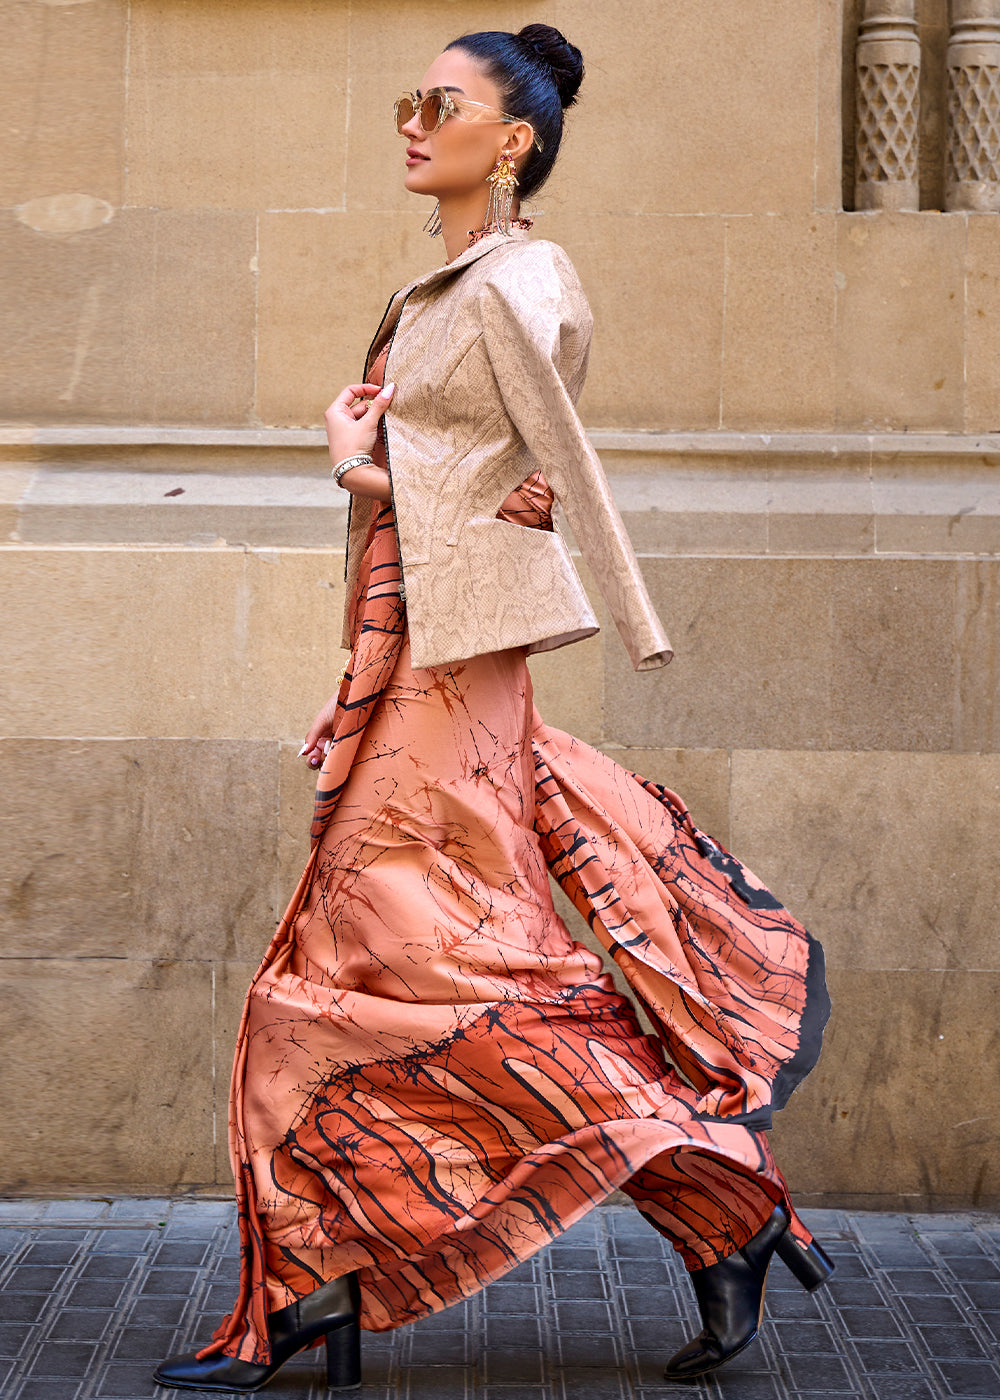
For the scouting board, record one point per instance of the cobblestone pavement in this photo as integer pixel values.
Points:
(94, 1292)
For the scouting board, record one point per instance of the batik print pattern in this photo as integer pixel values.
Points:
(432, 1079)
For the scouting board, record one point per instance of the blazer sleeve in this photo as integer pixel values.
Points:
(536, 330)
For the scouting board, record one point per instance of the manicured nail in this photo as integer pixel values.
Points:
(388, 390)
(303, 750)
(314, 763)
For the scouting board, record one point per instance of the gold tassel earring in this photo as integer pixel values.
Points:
(502, 181)
(433, 225)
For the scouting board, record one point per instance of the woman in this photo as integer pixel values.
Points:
(432, 1079)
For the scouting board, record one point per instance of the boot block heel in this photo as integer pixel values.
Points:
(343, 1357)
(810, 1265)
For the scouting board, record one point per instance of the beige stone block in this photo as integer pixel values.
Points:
(875, 852)
(231, 981)
(794, 653)
(700, 777)
(201, 642)
(390, 50)
(689, 503)
(727, 119)
(290, 653)
(123, 642)
(60, 322)
(977, 719)
(295, 812)
(325, 282)
(898, 1114)
(188, 316)
(239, 107)
(568, 683)
(830, 97)
(778, 362)
(14, 482)
(893, 623)
(148, 318)
(982, 326)
(62, 79)
(107, 1074)
(159, 847)
(655, 286)
(900, 314)
(937, 504)
(820, 507)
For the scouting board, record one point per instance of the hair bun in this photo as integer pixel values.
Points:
(563, 59)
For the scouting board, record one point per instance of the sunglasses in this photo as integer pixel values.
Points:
(437, 105)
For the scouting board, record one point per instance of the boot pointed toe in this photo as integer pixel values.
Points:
(211, 1373)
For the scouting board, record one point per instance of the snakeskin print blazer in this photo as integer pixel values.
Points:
(489, 355)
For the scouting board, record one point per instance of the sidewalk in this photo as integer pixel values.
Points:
(93, 1293)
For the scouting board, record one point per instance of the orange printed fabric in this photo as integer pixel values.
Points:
(432, 1079)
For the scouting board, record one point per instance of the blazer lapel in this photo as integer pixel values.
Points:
(436, 274)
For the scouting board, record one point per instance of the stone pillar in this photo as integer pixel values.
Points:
(888, 107)
(972, 162)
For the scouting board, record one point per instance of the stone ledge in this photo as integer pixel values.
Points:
(604, 439)
(680, 493)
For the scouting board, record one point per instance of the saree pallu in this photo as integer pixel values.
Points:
(432, 1079)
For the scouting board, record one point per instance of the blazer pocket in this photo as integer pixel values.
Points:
(522, 580)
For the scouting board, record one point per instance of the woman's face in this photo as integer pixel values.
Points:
(456, 159)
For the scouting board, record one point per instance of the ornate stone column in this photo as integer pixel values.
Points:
(888, 107)
(972, 161)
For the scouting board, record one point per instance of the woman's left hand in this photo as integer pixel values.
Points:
(320, 734)
(352, 419)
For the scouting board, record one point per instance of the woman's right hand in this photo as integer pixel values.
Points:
(352, 419)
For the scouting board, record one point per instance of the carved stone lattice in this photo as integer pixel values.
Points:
(888, 107)
(888, 111)
(972, 163)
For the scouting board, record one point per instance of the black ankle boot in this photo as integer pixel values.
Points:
(330, 1312)
(731, 1301)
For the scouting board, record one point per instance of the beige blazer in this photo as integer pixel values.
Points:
(489, 354)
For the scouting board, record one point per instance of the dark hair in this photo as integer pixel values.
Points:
(538, 72)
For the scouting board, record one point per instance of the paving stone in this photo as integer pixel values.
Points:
(48, 1390)
(49, 1251)
(107, 1266)
(23, 1307)
(27, 1278)
(97, 1294)
(818, 1373)
(983, 1295)
(978, 1269)
(803, 1337)
(971, 1378)
(892, 1358)
(869, 1322)
(14, 1336)
(579, 1285)
(123, 1241)
(910, 1387)
(11, 1241)
(591, 1385)
(513, 1298)
(578, 1350)
(907, 1281)
(66, 1359)
(80, 1325)
(947, 1343)
(933, 1309)
(512, 1367)
(746, 1386)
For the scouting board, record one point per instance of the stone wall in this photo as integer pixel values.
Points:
(799, 410)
